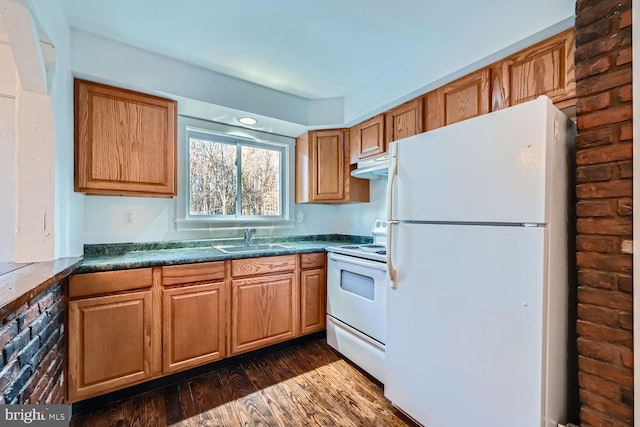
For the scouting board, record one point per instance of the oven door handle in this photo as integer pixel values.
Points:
(357, 261)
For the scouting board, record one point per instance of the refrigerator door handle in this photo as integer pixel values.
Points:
(391, 270)
(393, 172)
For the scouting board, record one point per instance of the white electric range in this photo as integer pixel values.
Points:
(357, 300)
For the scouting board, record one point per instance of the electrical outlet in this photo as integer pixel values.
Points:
(128, 217)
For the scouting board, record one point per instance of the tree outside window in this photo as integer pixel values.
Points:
(234, 178)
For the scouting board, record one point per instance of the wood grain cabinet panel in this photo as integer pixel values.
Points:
(323, 170)
(109, 343)
(193, 325)
(404, 120)
(191, 273)
(546, 68)
(105, 282)
(313, 260)
(369, 138)
(465, 98)
(327, 153)
(262, 265)
(313, 300)
(125, 142)
(263, 311)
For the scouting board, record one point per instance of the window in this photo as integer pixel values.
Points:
(230, 180)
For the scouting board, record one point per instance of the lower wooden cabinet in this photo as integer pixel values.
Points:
(263, 311)
(110, 343)
(126, 327)
(192, 326)
(313, 293)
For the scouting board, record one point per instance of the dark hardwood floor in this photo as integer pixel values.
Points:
(306, 385)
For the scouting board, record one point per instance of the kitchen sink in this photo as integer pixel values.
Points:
(251, 248)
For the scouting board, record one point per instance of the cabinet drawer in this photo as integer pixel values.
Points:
(312, 260)
(262, 265)
(82, 285)
(190, 273)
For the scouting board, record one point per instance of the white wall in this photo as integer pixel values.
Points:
(35, 185)
(7, 154)
(69, 206)
(155, 219)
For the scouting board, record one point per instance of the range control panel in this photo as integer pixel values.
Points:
(379, 227)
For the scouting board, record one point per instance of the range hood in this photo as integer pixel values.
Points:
(376, 168)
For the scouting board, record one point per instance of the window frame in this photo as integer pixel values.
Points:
(238, 136)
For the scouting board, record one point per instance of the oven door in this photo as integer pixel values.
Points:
(357, 294)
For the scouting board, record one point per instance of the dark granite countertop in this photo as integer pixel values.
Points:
(136, 255)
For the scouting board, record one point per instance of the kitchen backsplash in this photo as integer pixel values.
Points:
(154, 219)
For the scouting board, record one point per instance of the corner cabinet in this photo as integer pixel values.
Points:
(125, 142)
(323, 173)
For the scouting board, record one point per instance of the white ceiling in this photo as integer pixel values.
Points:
(313, 49)
(321, 49)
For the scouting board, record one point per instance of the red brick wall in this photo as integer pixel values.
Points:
(604, 223)
(32, 346)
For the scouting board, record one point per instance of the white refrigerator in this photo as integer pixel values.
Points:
(477, 310)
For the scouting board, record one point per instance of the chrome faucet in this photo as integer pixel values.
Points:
(248, 233)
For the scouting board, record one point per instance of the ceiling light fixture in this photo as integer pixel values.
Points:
(247, 120)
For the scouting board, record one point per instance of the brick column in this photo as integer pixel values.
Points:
(604, 209)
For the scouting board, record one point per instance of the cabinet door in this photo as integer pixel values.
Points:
(369, 141)
(263, 311)
(110, 343)
(193, 319)
(327, 165)
(313, 300)
(404, 120)
(323, 171)
(125, 142)
(547, 68)
(462, 99)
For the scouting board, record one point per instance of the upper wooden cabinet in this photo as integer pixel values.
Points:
(368, 139)
(404, 120)
(125, 142)
(467, 97)
(323, 171)
(547, 68)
